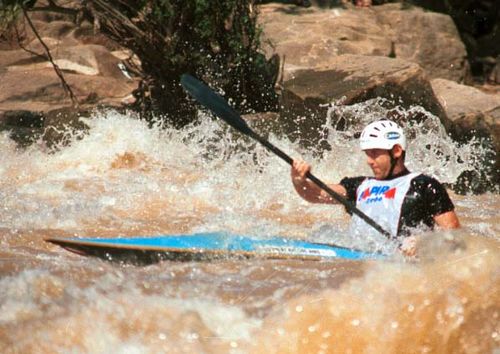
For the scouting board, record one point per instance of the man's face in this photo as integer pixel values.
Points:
(379, 161)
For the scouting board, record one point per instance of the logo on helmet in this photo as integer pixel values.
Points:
(392, 135)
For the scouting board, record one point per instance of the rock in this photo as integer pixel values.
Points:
(51, 126)
(24, 126)
(473, 113)
(313, 37)
(55, 29)
(50, 16)
(82, 59)
(353, 79)
(65, 34)
(29, 82)
(478, 24)
(16, 57)
(54, 34)
(494, 77)
(89, 60)
(461, 100)
(477, 19)
(426, 38)
(41, 90)
(33, 90)
(86, 34)
(57, 122)
(22, 118)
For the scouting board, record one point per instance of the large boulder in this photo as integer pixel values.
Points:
(58, 30)
(82, 59)
(313, 37)
(352, 79)
(473, 114)
(45, 92)
(30, 87)
(59, 33)
(478, 22)
(427, 38)
(357, 54)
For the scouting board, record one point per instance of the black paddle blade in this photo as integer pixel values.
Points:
(211, 100)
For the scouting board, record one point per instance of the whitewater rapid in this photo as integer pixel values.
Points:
(125, 177)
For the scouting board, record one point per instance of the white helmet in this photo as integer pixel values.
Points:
(383, 134)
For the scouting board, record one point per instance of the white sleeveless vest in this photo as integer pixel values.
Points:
(381, 201)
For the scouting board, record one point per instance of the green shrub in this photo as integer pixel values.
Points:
(10, 12)
(216, 40)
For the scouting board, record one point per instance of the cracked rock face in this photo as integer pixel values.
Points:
(28, 81)
(311, 38)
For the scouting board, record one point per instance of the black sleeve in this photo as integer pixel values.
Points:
(435, 195)
(351, 184)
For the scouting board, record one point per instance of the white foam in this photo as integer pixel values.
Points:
(122, 167)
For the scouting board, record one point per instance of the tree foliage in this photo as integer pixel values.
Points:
(9, 10)
(217, 40)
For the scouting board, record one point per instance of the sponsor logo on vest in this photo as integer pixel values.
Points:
(392, 135)
(377, 194)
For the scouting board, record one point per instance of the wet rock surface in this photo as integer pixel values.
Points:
(29, 86)
(313, 37)
(473, 114)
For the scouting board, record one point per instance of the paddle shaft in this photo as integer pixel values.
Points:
(321, 185)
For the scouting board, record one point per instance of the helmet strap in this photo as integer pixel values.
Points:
(393, 164)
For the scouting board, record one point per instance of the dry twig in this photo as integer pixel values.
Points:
(58, 71)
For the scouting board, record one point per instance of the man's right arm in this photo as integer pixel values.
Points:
(447, 220)
(309, 190)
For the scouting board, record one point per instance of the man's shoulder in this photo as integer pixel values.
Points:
(351, 185)
(357, 180)
(432, 193)
(428, 186)
(424, 180)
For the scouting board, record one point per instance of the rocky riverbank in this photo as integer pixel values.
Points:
(343, 53)
(32, 96)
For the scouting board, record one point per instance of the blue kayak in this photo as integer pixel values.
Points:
(204, 246)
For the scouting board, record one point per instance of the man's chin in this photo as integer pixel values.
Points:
(378, 175)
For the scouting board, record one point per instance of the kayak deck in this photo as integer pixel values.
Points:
(203, 247)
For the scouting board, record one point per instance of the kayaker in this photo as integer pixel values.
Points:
(397, 199)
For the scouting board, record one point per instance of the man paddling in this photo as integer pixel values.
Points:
(394, 197)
